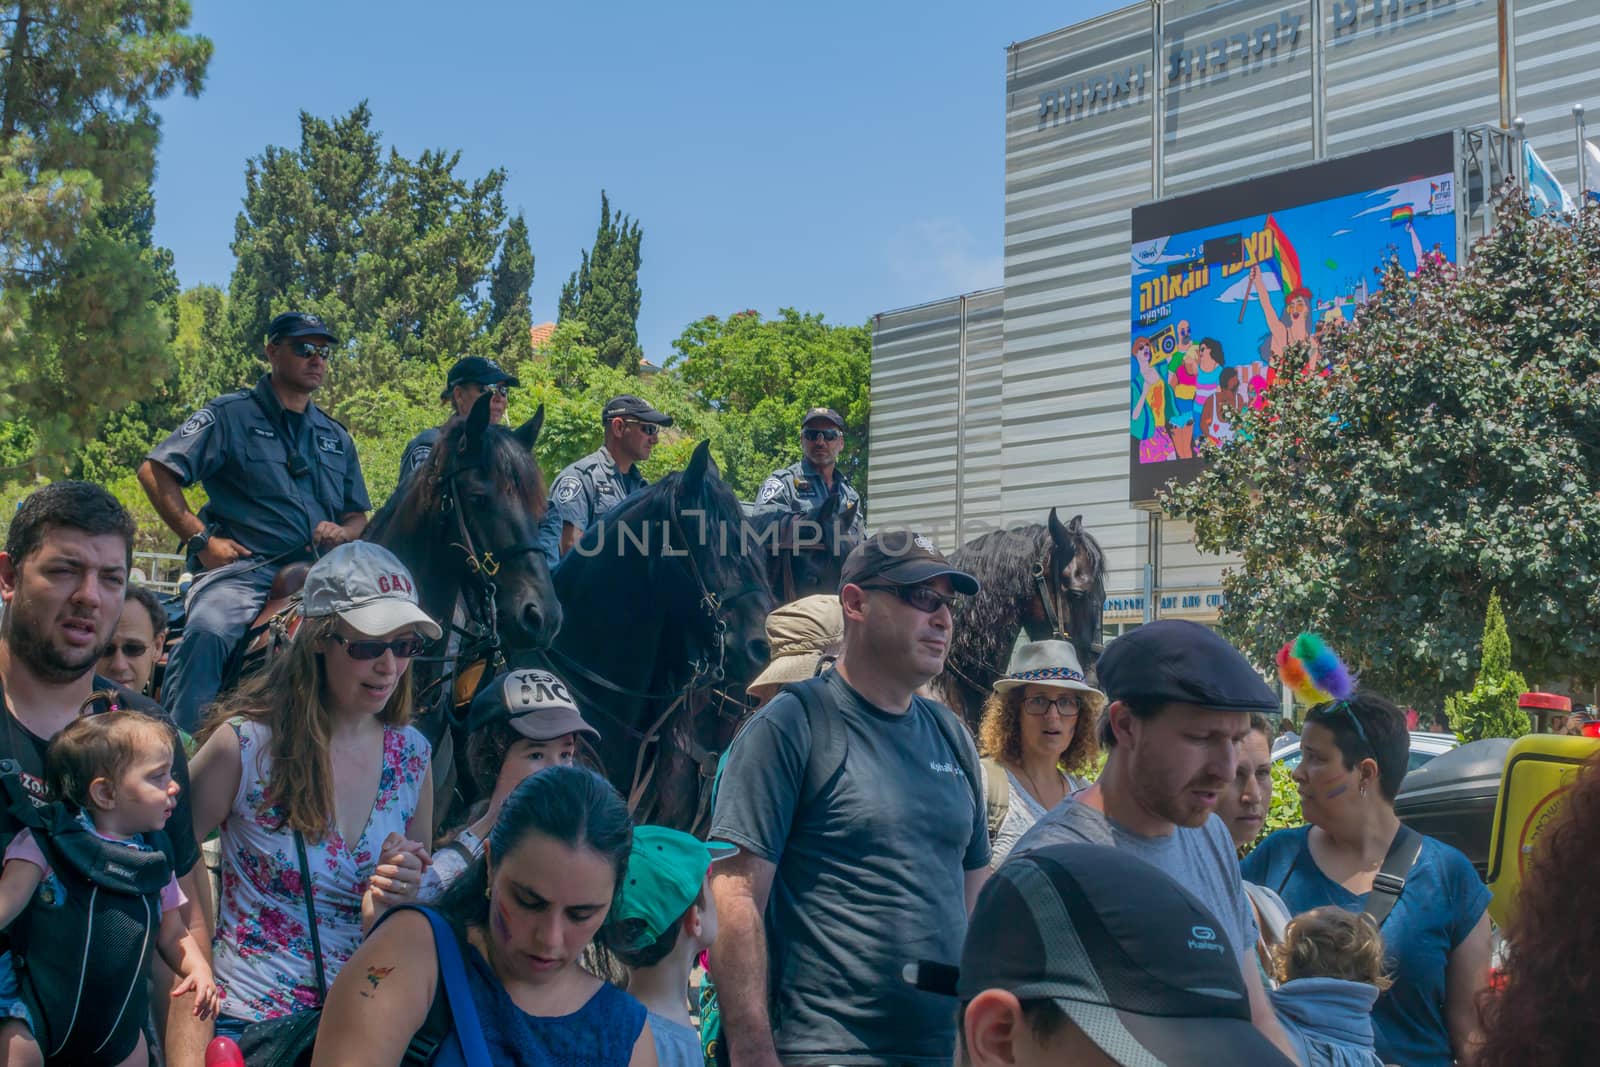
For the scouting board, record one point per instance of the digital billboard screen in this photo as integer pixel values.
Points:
(1225, 279)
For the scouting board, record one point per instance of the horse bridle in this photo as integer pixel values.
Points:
(1041, 584)
(485, 566)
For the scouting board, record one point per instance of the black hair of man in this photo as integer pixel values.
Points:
(81, 506)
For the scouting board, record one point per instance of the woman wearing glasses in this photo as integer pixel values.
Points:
(1037, 737)
(311, 770)
(131, 657)
(1353, 757)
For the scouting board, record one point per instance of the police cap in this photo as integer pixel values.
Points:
(823, 413)
(298, 324)
(632, 407)
(1179, 662)
(475, 370)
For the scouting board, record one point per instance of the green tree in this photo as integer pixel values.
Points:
(82, 328)
(603, 292)
(510, 305)
(393, 252)
(1449, 449)
(760, 376)
(1489, 708)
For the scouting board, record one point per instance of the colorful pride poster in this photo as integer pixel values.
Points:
(1283, 264)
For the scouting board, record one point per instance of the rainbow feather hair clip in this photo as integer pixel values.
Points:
(1313, 672)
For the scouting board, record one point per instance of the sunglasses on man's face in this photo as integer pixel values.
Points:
(649, 429)
(402, 647)
(129, 649)
(820, 435)
(498, 389)
(924, 598)
(308, 349)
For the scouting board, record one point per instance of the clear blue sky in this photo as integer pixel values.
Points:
(842, 158)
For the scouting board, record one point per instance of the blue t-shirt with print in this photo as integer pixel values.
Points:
(1442, 903)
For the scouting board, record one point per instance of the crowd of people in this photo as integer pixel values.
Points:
(878, 886)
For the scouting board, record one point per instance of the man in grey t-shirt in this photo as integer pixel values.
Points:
(864, 837)
(1181, 699)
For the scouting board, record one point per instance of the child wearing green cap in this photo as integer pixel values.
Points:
(663, 919)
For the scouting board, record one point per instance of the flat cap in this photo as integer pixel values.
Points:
(1180, 662)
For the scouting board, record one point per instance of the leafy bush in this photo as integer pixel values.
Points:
(1490, 708)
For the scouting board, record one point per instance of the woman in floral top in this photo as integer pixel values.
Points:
(320, 745)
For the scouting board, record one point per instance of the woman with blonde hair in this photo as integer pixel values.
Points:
(322, 789)
(1037, 737)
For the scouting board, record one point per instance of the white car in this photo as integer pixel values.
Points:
(1424, 746)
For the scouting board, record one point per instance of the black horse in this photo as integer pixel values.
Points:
(807, 557)
(664, 605)
(466, 525)
(1046, 579)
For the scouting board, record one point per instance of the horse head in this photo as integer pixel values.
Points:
(1075, 582)
(467, 522)
(811, 558)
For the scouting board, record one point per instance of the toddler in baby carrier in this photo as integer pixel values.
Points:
(1330, 970)
(87, 895)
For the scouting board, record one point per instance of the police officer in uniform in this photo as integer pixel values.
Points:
(470, 378)
(604, 478)
(284, 483)
(802, 488)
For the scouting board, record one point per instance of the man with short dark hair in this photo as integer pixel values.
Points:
(469, 378)
(801, 489)
(63, 578)
(284, 483)
(861, 816)
(604, 478)
(1180, 704)
(1084, 955)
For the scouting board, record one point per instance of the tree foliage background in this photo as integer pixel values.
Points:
(414, 264)
(1490, 708)
(1449, 451)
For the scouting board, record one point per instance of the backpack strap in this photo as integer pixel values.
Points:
(453, 983)
(997, 794)
(1391, 879)
(829, 744)
(955, 733)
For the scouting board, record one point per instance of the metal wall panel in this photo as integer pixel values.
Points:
(1556, 43)
(1071, 179)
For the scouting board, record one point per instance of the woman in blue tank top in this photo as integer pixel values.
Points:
(552, 866)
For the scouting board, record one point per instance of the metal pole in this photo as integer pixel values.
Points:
(1519, 159)
(1503, 25)
(1583, 157)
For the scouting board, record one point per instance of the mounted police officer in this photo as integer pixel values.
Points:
(604, 478)
(802, 488)
(284, 484)
(470, 378)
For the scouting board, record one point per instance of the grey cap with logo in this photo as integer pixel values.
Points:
(367, 587)
(537, 703)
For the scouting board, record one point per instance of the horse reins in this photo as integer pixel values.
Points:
(1041, 584)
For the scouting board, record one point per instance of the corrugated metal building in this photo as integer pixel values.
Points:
(1161, 98)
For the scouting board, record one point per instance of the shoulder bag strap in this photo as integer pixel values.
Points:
(453, 974)
(1391, 879)
(311, 915)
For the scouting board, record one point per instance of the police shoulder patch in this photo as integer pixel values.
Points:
(197, 422)
(567, 489)
(771, 489)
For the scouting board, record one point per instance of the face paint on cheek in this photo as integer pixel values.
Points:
(1337, 791)
(498, 924)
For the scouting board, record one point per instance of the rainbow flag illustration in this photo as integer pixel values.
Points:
(1284, 262)
(1402, 215)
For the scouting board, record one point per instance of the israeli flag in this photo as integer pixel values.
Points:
(1545, 194)
(1592, 171)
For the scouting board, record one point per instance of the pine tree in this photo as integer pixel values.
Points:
(1490, 708)
(510, 306)
(603, 293)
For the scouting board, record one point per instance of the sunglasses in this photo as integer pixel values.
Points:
(402, 647)
(498, 389)
(305, 350)
(130, 649)
(649, 429)
(821, 435)
(922, 597)
(1343, 707)
(1065, 706)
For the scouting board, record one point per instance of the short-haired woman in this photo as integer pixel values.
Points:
(1353, 755)
(131, 657)
(1039, 730)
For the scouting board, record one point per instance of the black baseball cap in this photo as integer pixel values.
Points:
(475, 370)
(627, 406)
(1134, 959)
(537, 704)
(904, 558)
(1181, 662)
(298, 324)
(823, 413)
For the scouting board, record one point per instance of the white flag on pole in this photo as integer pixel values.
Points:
(1545, 193)
(1592, 171)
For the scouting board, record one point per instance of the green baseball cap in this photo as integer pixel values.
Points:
(665, 872)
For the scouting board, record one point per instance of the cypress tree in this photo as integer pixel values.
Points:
(603, 293)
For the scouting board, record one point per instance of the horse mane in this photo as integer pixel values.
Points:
(1002, 561)
(416, 498)
(722, 524)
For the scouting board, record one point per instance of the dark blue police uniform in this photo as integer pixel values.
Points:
(272, 475)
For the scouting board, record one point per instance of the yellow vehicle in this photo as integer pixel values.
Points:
(1539, 770)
